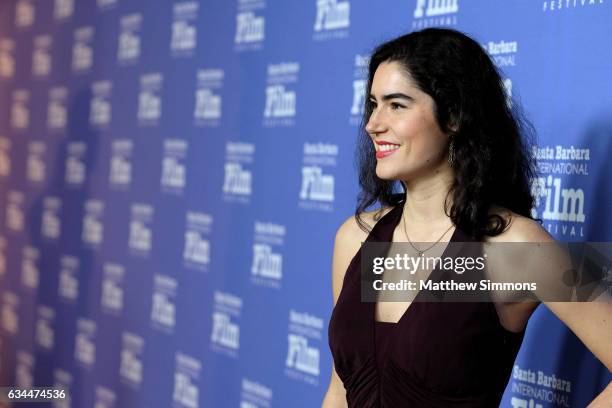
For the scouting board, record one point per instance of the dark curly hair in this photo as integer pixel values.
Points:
(491, 136)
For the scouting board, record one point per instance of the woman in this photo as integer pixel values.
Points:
(438, 123)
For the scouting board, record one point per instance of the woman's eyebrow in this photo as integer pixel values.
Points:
(396, 95)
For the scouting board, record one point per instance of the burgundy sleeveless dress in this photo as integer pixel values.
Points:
(439, 354)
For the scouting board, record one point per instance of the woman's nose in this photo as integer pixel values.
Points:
(375, 123)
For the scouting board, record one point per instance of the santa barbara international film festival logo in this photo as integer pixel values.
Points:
(20, 111)
(254, 394)
(560, 206)
(196, 252)
(537, 389)
(41, 56)
(10, 317)
(7, 58)
(57, 113)
(131, 365)
(111, 298)
(238, 178)
(82, 50)
(92, 232)
(225, 333)
(68, 284)
(174, 171)
(51, 224)
(129, 48)
(24, 369)
(207, 110)
(184, 29)
(25, 14)
(317, 187)
(503, 53)
(14, 211)
(250, 25)
(163, 304)
(63, 9)
(332, 19)
(5, 157)
(431, 13)
(84, 343)
(267, 265)
(554, 6)
(103, 397)
(30, 272)
(44, 335)
(360, 74)
(149, 99)
(187, 377)
(36, 168)
(140, 238)
(304, 347)
(75, 164)
(120, 169)
(63, 380)
(100, 105)
(280, 106)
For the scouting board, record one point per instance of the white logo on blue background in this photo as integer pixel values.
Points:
(140, 238)
(24, 13)
(237, 181)
(51, 224)
(14, 211)
(5, 157)
(303, 358)
(41, 56)
(174, 170)
(163, 310)
(149, 99)
(7, 59)
(131, 364)
(120, 173)
(30, 273)
(68, 286)
(225, 335)
(100, 105)
(332, 19)
(44, 332)
(10, 317)
(82, 50)
(63, 9)
(128, 50)
(111, 299)
(20, 112)
(184, 28)
(57, 114)
(429, 13)
(36, 167)
(196, 251)
(186, 392)
(84, 343)
(93, 227)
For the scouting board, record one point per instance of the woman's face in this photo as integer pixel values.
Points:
(408, 141)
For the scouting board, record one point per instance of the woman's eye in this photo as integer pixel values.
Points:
(396, 106)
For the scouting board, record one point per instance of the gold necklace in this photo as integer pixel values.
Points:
(421, 252)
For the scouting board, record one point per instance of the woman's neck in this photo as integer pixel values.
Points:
(425, 199)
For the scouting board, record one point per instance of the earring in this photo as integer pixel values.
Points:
(451, 153)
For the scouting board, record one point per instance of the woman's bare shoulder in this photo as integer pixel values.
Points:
(353, 231)
(519, 228)
(349, 237)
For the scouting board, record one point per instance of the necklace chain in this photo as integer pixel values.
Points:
(421, 252)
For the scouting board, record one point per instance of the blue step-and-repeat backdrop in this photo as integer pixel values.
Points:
(172, 174)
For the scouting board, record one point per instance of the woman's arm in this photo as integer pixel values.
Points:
(590, 321)
(348, 240)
